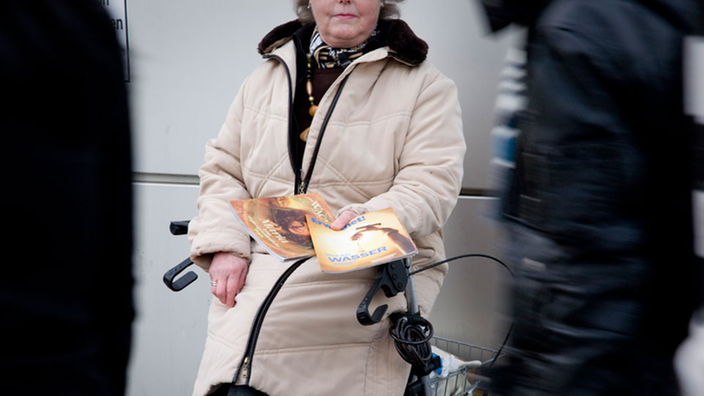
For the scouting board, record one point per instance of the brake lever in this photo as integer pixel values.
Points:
(392, 278)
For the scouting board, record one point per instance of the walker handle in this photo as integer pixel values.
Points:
(180, 283)
(179, 228)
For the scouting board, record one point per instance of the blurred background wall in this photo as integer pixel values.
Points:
(187, 60)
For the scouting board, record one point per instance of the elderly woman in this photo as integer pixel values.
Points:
(346, 106)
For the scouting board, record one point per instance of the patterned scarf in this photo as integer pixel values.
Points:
(327, 57)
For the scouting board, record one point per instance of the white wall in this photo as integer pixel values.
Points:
(188, 59)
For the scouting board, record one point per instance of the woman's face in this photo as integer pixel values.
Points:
(345, 23)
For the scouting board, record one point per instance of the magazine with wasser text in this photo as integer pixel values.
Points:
(279, 223)
(371, 239)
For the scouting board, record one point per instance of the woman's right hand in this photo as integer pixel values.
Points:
(342, 220)
(229, 272)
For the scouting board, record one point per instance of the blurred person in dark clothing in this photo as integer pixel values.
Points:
(66, 287)
(598, 208)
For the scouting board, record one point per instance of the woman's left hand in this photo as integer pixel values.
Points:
(342, 220)
(227, 274)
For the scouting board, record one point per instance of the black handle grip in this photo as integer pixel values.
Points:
(180, 283)
(179, 227)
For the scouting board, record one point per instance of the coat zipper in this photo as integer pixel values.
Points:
(247, 360)
(304, 184)
(301, 186)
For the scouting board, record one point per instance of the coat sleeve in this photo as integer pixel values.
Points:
(427, 185)
(215, 228)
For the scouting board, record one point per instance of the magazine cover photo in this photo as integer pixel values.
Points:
(368, 240)
(279, 223)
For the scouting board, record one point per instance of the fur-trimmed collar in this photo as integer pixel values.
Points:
(403, 43)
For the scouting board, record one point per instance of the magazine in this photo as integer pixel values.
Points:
(279, 223)
(371, 239)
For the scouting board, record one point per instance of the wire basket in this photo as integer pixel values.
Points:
(460, 382)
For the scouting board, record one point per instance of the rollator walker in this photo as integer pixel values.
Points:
(412, 334)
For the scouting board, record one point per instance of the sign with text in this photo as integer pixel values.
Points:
(117, 9)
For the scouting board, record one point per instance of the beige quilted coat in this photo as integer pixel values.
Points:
(394, 140)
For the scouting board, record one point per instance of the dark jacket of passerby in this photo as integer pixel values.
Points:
(66, 285)
(598, 206)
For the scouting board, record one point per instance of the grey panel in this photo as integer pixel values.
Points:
(170, 329)
(188, 60)
(473, 294)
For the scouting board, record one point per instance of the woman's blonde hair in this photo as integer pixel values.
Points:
(305, 15)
